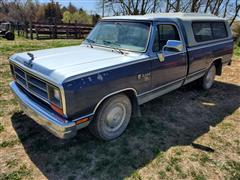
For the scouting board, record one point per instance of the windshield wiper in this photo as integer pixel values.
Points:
(114, 43)
(90, 41)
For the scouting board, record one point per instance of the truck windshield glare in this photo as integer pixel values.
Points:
(122, 35)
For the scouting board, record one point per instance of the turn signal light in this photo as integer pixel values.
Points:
(57, 109)
(81, 121)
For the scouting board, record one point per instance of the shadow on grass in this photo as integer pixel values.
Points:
(177, 118)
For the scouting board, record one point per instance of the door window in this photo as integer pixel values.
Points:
(164, 33)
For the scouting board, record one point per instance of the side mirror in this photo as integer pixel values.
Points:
(173, 46)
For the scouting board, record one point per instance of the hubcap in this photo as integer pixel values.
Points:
(210, 77)
(115, 117)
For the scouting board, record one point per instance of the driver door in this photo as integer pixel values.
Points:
(169, 66)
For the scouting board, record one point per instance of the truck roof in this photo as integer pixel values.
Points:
(174, 16)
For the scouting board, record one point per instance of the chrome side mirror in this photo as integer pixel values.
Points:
(173, 46)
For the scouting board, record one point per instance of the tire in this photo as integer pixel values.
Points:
(208, 79)
(9, 36)
(112, 118)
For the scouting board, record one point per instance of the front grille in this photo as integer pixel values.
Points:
(31, 83)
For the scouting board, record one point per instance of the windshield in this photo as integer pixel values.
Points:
(122, 35)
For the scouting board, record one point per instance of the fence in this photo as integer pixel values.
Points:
(53, 31)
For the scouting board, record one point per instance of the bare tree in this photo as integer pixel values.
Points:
(225, 8)
(237, 9)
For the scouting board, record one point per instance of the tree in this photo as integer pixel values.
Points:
(237, 9)
(71, 8)
(67, 16)
(95, 18)
(53, 12)
(40, 13)
(80, 17)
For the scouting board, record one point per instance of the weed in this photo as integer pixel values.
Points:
(168, 168)
(11, 163)
(162, 175)
(174, 161)
(204, 159)
(9, 143)
(198, 176)
(16, 175)
(1, 128)
(136, 176)
(233, 168)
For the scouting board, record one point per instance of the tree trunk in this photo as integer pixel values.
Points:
(207, 5)
(225, 9)
(236, 13)
(177, 6)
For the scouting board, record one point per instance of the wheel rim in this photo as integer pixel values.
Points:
(210, 77)
(115, 117)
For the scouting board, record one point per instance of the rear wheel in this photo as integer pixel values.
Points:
(208, 79)
(112, 117)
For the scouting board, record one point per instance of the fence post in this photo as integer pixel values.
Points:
(55, 30)
(26, 29)
(75, 29)
(50, 32)
(31, 33)
(18, 31)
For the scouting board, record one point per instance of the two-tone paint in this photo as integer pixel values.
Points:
(89, 75)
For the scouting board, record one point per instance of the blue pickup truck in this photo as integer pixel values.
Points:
(124, 62)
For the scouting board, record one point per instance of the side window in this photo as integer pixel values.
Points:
(165, 32)
(205, 31)
(202, 32)
(219, 30)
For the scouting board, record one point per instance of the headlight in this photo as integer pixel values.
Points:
(54, 96)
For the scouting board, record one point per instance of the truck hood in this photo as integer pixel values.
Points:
(58, 64)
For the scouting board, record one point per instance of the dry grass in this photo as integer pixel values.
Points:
(156, 146)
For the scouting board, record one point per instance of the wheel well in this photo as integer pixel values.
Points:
(135, 106)
(218, 65)
(131, 94)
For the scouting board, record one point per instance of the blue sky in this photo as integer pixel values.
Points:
(89, 5)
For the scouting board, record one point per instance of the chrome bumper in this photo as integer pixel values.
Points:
(54, 123)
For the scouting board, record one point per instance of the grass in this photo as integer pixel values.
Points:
(16, 175)
(157, 145)
(237, 50)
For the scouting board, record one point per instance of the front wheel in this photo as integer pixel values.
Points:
(208, 79)
(112, 118)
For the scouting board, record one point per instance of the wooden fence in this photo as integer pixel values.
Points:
(53, 31)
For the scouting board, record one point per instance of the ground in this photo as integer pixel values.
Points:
(186, 134)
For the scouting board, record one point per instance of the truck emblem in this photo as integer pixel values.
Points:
(144, 76)
(29, 63)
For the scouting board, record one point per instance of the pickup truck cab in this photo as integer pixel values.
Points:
(124, 62)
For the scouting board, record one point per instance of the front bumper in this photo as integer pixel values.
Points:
(51, 121)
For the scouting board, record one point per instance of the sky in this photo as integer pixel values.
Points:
(89, 5)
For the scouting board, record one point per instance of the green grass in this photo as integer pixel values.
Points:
(237, 50)
(9, 143)
(233, 167)
(16, 175)
(20, 45)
